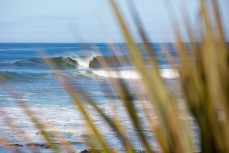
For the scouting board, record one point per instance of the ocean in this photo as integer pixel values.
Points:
(26, 77)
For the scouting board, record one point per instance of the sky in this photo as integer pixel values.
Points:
(90, 20)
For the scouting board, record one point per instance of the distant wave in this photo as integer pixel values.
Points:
(21, 76)
(70, 62)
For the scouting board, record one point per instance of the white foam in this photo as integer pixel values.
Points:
(84, 62)
(169, 73)
(125, 74)
(133, 74)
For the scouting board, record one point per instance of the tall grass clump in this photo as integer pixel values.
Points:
(203, 69)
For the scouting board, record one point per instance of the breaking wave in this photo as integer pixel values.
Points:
(28, 69)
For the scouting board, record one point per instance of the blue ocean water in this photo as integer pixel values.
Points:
(23, 65)
(23, 70)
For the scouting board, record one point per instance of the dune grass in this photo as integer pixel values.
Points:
(204, 76)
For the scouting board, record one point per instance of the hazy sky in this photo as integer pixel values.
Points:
(85, 20)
